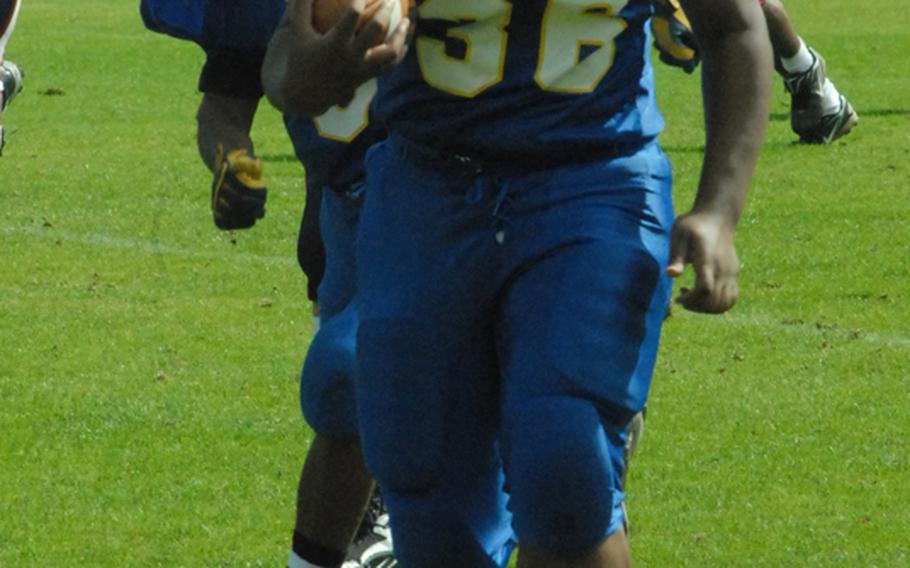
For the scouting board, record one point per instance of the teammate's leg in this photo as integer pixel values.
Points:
(9, 11)
(10, 74)
(335, 485)
(819, 113)
(332, 497)
(784, 39)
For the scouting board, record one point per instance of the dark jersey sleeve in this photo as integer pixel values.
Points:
(182, 20)
(235, 36)
(232, 74)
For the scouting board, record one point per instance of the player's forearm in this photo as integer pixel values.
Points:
(224, 122)
(736, 83)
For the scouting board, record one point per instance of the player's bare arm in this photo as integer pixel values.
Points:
(736, 84)
(306, 72)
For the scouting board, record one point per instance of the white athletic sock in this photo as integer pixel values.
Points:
(831, 102)
(295, 561)
(800, 62)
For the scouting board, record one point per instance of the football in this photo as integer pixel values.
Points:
(326, 13)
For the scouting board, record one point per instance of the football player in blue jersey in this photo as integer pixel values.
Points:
(231, 90)
(819, 114)
(10, 74)
(515, 253)
(337, 432)
(334, 484)
(331, 150)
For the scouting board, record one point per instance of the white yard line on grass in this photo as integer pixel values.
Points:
(810, 328)
(148, 247)
(736, 317)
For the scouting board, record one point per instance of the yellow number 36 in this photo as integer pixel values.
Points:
(577, 44)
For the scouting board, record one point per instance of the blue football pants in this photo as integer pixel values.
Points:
(327, 392)
(326, 383)
(506, 315)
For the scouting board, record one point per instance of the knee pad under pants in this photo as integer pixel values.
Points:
(459, 524)
(440, 472)
(564, 468)
(326, 383)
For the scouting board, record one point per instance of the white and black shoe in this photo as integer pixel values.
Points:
(372, 546)
(811, 116)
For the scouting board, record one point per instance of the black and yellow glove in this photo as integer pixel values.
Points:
(238, 193)
(673, 36)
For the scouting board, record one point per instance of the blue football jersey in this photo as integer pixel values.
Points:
(242, 26)
(525, 79)
(182, 20)
(332, 147)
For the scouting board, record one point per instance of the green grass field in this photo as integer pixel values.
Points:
(149, 363)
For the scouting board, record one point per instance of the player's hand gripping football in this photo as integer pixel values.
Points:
(324, 70)
(705, 240)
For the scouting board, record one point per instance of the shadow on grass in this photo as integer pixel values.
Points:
(883, 112)
(700, 149)
(278, 158)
